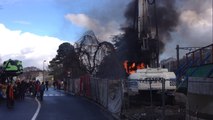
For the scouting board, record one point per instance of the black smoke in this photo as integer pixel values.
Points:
(167, 19)
(128, 44)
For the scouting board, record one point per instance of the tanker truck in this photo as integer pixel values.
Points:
(152, 81)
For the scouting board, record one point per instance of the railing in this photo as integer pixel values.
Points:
(197, 57)
(202, 53)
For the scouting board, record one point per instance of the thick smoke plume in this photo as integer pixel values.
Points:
(167, 20)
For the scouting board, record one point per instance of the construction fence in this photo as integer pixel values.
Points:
(106, 92)
(110, 93)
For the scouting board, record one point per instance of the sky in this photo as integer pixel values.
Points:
(194, 28)
(32, 30)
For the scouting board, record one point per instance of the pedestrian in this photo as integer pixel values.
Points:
(42, 89)
(22, 90)
(1, 93)
(65, 85)
(54, 85)
(17, 88)
(46, 85)
(32, 88)
(10, 95)
(37, 88)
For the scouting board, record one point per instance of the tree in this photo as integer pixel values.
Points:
(111, 67)
(86, 48)
(55, 69)
(66, 61)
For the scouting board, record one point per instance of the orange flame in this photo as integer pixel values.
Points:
(140, 66)
(126, 65)
(131, 68)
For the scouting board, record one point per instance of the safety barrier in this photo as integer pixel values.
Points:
(106, 92)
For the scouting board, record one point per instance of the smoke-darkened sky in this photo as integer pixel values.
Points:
(194, 28)
(187, 23)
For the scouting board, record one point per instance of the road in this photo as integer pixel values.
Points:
(56, 105)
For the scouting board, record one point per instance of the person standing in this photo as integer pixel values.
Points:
(37, 88)
(42, 89)
(10, 95)
(46, 85)
(22, 90)
(54, 84)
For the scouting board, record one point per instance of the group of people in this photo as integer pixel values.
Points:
(15, 91)
(37, 89)
(58, 84)
(18, 89)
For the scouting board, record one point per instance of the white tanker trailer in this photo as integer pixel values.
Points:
(155, 80)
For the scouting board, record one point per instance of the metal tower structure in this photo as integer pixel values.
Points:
(148, 36)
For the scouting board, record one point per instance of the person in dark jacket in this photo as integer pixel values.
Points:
(10, 95)
(46, 84)
(22, 90)
(42, 89)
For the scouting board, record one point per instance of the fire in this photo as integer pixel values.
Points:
(126, 65)
(132, 67)
(141, 66)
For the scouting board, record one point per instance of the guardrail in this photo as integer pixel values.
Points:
(201, 54)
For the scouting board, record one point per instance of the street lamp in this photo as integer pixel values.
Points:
(43, 69)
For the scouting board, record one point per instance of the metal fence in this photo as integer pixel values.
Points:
(106, 92)
(110, 93)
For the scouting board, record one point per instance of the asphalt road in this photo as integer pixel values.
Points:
(56, 105)
(23, 110)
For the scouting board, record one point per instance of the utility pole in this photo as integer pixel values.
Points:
(178, 59)
(43, 69)
(183, 48)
